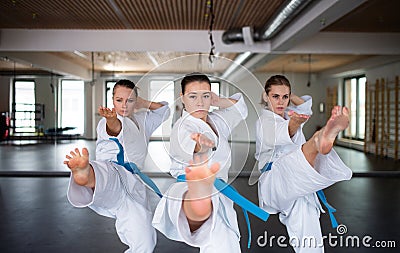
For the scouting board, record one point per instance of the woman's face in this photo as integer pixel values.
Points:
(197, 99)
(124, 101)
(278, 98)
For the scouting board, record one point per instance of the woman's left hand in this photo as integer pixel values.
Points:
(140, 103)
(299, 118)
(203, 143)
(215, 99)
(221, 102)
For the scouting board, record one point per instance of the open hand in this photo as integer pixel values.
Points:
(203, 143)
(299, 118)
(107, 112)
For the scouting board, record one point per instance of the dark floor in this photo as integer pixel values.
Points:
(48, 158)
(35, 215)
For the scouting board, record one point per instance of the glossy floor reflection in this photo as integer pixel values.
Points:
(35, 215)
(49, 157)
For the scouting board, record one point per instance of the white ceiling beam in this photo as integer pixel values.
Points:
(119, 40)
(49, 62)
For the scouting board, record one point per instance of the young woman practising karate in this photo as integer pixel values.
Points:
(193, 211)
(295, 169)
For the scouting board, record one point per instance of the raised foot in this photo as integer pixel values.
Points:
(200, 179)
(338, 121)
(79, 165)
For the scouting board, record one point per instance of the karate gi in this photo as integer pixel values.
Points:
(289, 187)
(118, 193)
(220, 233)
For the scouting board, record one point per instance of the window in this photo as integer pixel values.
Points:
(24, 107)
(109, 95)
(161, 90)
(215, 89)
(73, 105)
(354, 99)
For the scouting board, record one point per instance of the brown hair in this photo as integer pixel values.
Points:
(194, 77)
(127, 84)
(275, 80)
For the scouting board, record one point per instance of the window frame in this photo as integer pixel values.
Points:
(159, 132)
(60, 115)
(14, 118)
(106, 90)
(357, 105)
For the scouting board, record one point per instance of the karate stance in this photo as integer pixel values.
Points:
(132, 129)
(299, 168)
(108, 188)
(194, 212)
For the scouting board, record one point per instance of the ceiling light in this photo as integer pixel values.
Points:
(238, 61)
(80, 54)
(152, 59)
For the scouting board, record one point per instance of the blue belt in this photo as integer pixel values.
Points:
(245, 204)
(134, 169)
(321, 196)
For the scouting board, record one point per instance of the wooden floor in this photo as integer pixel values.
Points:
(35, 215)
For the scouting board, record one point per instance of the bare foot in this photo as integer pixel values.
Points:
(338, 121)
(79, 165)
(200, 180)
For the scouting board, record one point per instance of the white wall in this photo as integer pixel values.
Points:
(388, 72)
